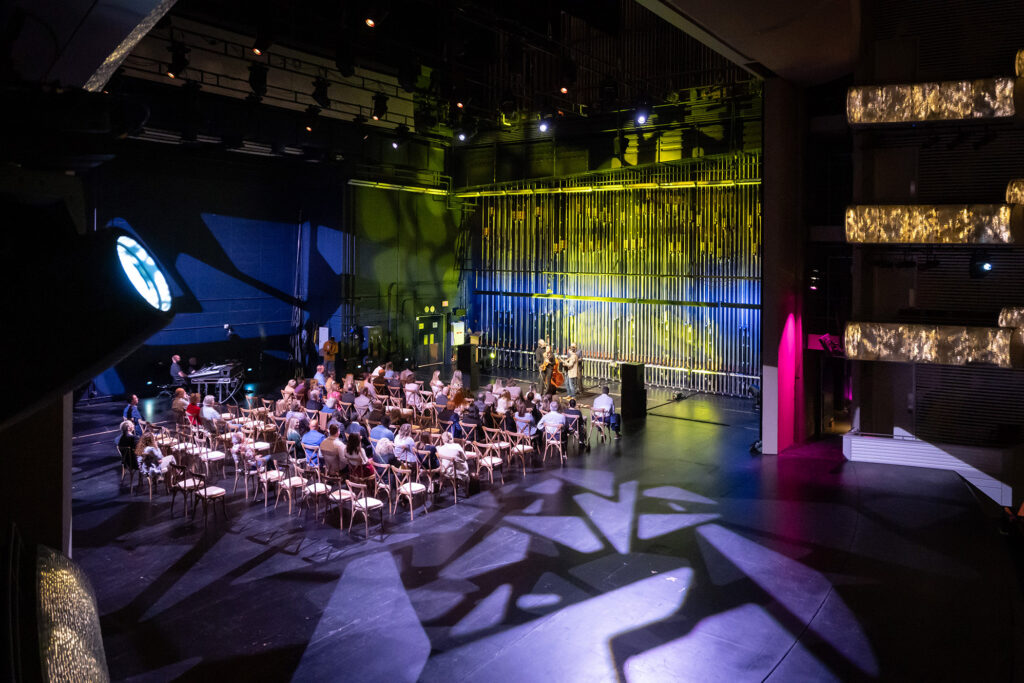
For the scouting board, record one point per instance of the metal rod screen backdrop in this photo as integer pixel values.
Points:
(667, 277)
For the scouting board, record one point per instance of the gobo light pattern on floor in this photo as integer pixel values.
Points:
(666, 277)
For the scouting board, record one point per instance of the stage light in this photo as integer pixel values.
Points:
(564, 90)
(543, 126)
(640, 117)
(311, 117)
(980, 265)
(264, 36)
(401, 136)
(258, 79)
(459, 105)
(143, 273)
(462, 136)
(369, 21)
(380, 106)
(814, 279)
(320, 86)
(117, 289)
(179, 58)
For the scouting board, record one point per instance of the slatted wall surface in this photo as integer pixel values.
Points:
(667, 277)
(971, 406)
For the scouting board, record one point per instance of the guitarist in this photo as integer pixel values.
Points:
(539, 355)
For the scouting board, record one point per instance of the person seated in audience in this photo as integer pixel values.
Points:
(348, 391)
(380, 385)
(287, 396)
(151, 461)
(314, 437)
(313, 402)
(605, 403)
(470, 421)
(300, 390)
(552, 417)
(359, 430)
(330, 451)
(436, 385)
(243, 454)
(295, 411)
(525, 422)
(480, 403)
(385, 454)
(362, 403)
(412, 393)
(319, 376)
(355, 456)
(504, 401)
(178, 404)
(126, 443)
(131, 412)
(383, 430)
(514, 390)
(193, 409)
(389, 370)
(397, 418)
(295, 428)
(580, 426)
(405, 445)
(456, 382)
(497, 386)
(453, 458)
(328, 407)
(209, 415)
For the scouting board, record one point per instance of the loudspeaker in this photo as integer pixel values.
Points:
(465, 360)
(634, 395)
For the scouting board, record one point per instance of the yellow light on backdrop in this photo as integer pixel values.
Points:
(934, 224)
(983, 98)
(934, 344)
(1015, 191)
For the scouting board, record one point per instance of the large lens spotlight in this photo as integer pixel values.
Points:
(143, 273)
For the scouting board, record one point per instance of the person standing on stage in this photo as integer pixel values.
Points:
(549, 369)
(178, 378)
(572, 371)
(538, 355)
(329, 351)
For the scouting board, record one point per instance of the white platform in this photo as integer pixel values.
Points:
(990, 469)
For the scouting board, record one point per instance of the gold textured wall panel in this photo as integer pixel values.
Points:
(984, 98)
(1012, 317)
(1015, 191)
(1018, 63)
(922, 224)
(662, 266)
(933, 344)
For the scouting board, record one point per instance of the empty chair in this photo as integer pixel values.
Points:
(363, 504)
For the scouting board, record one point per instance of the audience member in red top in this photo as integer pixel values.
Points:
(193, 409)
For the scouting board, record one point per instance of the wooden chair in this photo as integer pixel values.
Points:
(363, 504)
(209, 495)
(495, 436)
(600, 423)
(338, 496)
(184, 483)
(573, 433)
(381, 482)
(268, 475)
(204, 451)
(405, 487)
(522, 448)
(310, 453)
(129, 466)
(290, 485)
(314, 489)
(553, 441)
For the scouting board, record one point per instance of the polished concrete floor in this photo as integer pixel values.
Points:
(670, 555)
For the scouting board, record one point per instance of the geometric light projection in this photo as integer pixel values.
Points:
(934, 344)
(934, 224)
(980, 99)
(1012, 316)
(143, 273)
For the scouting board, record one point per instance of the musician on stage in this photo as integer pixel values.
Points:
(572, 371)
(548, 369)
(538, 356)
(178, 378)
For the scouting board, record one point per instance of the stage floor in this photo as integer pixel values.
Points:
(669, 555)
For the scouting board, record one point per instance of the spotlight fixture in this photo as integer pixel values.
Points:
(547, 122)
(320, 86)
(564, 90)
(258, 79)
(401, 136)
(121, 294)
(980, 264)
(311, 117)
(380, 106)
(369, 21)
(814, 279)
(262, 41)
(460, 105)
(642, 112)
(179, 58)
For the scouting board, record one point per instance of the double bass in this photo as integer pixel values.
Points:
(557, 378)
